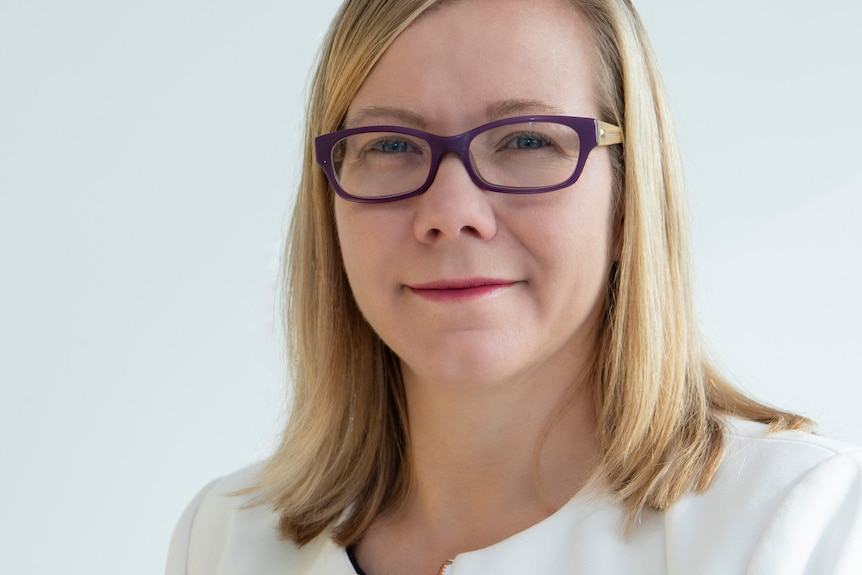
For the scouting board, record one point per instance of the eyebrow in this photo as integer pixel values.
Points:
(403, 116)
(385, 113)
(508, 108)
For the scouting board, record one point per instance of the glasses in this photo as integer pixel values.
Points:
(521, 155)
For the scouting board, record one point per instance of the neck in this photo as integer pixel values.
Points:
(490, 461)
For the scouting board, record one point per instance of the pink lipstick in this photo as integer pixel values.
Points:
(459, 290)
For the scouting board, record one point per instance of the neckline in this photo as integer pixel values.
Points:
(351, 554)
(580, 504)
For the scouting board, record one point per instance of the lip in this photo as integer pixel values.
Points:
(459, 289)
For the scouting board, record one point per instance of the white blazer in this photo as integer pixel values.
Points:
(780, 504)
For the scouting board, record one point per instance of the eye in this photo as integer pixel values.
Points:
(391, 146)
(527, 141)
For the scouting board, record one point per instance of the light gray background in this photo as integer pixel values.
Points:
(148, 155)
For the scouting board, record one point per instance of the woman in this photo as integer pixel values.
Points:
(496, 365)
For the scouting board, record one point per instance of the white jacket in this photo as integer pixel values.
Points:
(780, 504)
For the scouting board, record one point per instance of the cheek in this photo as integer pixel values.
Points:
(368, 237)
(574, 226)
(353, 239)
(573, 246)
(592, 214)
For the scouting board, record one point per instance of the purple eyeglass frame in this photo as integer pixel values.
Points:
(591, 132)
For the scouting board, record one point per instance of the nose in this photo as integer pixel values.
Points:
(454, 206)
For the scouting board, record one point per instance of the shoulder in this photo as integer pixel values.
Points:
(798, 448)
(777, 500)
(758, 460)
(223, 531)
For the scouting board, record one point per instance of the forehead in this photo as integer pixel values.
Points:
(471, 61)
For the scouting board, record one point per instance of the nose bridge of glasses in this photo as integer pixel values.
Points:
(459, 146)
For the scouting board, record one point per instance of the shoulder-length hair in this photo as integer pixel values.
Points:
(344, 458)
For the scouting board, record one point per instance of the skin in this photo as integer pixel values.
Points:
(486, 368)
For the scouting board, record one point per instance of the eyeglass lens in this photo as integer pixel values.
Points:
(527, 155)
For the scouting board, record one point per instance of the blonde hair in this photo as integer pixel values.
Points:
(344, 458)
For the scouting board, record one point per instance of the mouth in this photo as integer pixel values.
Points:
(459, 290)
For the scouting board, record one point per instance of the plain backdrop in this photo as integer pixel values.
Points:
(148, 157)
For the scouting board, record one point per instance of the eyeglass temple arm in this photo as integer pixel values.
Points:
(609, 134)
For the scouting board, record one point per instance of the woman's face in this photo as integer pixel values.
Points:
(471, 287)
